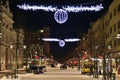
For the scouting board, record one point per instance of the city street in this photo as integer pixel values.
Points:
(55, 74)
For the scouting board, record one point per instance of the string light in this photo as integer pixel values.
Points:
(61, 42)
(61, 14)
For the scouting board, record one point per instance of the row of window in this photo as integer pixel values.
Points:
(112, 14)
(114, 43)
(113, 29)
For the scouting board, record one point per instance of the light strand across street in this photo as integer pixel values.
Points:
(61, 14)
(61, 42)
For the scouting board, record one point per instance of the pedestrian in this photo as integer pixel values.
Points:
(110, 72)
(118, 70)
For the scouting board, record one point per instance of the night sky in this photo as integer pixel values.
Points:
(77, 22)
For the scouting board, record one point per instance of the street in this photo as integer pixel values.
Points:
(57, 74)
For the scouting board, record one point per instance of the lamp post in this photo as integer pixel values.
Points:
(16, 55)
(117, 58)
(16, 60)
(17, 44)
(15, 68)
(78, 61)
(96, 63)
(24, 47)
(109, 64)
(0, 50)
(104, 66)
(0, 37)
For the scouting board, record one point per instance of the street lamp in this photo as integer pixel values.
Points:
(0, 50)
(24, 47)
(15, 76)
(96, 63)
(109, 64)
(79, 61)
(16, 60)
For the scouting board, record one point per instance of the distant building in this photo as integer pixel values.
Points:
(35, 46)
(46, 44)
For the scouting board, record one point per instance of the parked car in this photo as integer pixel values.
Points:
(87, 69)
(38, 69)
(62, 67)
(52, 65)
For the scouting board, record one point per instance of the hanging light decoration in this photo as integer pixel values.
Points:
(61, 14)
(61, 42)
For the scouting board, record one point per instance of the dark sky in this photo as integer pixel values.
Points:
(77, 22)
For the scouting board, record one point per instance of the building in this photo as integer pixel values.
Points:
(36, 48)
(103, 36)
(46, 44)
(10, 48)
(112, 25)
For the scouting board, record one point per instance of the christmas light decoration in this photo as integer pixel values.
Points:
(61, 42)
(61, 14)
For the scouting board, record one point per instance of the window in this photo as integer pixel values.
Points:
(114, 27)
(110, 30)
(114, 13)
(118, 9)
(118, 24)
(115, 43)
(110, 16)
(118, 41)
(103, 26)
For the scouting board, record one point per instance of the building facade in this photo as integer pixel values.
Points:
(103, 36)
(10, 51)
(36, 48)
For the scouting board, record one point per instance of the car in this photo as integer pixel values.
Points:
(38, 69)
(63, 67)
(87, 69)
(52, 65)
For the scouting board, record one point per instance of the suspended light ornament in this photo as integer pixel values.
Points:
(61, 14)
(61, 42)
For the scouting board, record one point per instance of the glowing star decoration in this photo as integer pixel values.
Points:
(61, 14)
(61, 42)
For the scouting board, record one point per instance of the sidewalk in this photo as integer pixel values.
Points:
(10, 74)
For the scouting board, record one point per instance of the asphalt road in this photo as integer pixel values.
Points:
(57, 74)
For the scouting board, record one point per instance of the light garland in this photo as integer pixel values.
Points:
(61, 14)
(61, 42)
